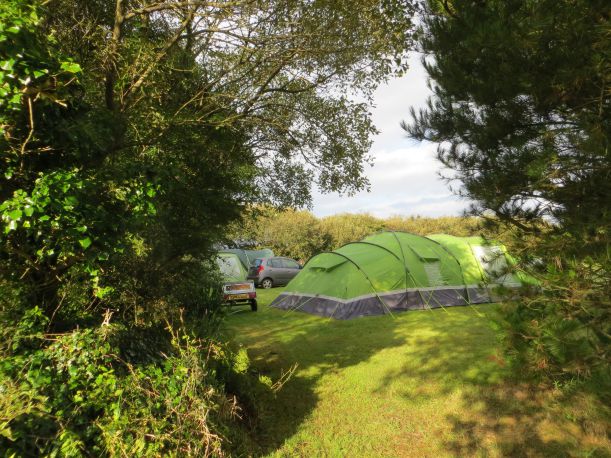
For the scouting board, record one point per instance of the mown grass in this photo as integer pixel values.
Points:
(421, 383)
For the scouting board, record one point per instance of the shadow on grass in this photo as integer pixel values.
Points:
(452, 350)
(276, 340)
(500, 413)
(513, 420)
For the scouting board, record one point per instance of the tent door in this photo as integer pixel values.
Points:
(433, 273)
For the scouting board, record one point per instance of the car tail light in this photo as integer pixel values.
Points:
(261, 268)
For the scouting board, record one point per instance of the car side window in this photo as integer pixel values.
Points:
(290, 264)
(276, 263)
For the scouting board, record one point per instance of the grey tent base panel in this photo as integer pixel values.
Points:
(372, 305)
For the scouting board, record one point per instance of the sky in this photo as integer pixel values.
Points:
(405, 177)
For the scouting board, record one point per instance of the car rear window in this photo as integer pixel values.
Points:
(257, 262)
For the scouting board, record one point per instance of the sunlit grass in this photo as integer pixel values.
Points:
(424, 383)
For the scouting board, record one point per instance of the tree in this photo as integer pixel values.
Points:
(180, 114)
(296, 234)
(90, 223)
(281, 72)
(346, 228)
(521, 110)
(453, 225)
(133, 132)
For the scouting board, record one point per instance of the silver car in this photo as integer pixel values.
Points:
(276, 271)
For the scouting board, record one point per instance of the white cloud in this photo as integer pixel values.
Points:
(405, 176)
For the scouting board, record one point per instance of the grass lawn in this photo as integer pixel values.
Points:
(424, 383)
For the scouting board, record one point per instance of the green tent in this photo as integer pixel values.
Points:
(481, 259)
(247, 257)
(231, 267)
(396, 271)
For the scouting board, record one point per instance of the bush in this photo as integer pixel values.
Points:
(92, 393)
(346, 228)
(301, 235)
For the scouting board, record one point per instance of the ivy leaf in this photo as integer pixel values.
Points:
(103, 256)
(102, 292)
(71, 67)
(85, 242)
(15, 215)
(7, 65)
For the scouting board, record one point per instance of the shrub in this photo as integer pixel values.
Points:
(91, 393)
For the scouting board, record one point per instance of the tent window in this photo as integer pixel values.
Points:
(229, 266)
(327, 262)
(492, 259)
(433, 273)
(425, 253)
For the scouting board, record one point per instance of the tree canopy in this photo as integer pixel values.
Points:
(521, 110)
(301, 235)
(521, 105)
(133, 133)
(280, 73)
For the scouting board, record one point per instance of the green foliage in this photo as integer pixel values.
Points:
(345, 228)
(278, 72)
(300, 235)
(521, 111)
(521, 98)
(81, 395)
(28, 71)
(91, 231)
(564, 333)
(74, 198)
(458, 226)
(54, 218)
(297, 234)
(130, 137)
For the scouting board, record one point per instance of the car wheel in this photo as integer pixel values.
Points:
(253, 305)
(267, 283)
